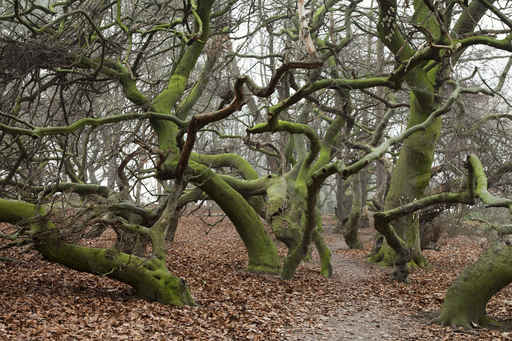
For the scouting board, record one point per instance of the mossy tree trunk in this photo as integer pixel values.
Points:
(343, 202)
(149, 277)
(287, 212)
(305, 211)
(351, 228)
(467, 298)
(412, 173)
(292, 198)
(261, 250)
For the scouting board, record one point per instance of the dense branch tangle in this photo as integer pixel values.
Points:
(151, 73)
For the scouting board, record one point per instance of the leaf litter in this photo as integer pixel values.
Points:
(44, 301)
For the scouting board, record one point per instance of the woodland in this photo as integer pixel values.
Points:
(225, 169)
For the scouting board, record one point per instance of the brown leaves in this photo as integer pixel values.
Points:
(41, 301)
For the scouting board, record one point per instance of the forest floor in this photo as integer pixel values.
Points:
(44, 301)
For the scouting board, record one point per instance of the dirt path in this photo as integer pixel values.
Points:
(366, 317)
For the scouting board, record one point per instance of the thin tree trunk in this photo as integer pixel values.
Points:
(351, 229)
(343, 203)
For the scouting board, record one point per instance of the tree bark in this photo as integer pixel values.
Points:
(411, 174)
(351, 228)
(261, 250)
(343, 203)
(149, 277)
(324, 252)
(467, 298)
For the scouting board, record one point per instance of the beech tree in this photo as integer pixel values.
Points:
(466, 299)
(446, 30)
(72, 71)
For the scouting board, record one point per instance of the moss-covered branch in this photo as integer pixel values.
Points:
(292, 128)
(149, 277)
(389, 32)
(360, 83)
(78, 188)
(88, 121)
(188, 102)
(479, 184)
(504, 44)
(227, 160)
(168, 98)
(261, 250)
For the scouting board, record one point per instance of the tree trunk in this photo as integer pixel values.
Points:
(324, 252)
(112, 139)
(351, 229)
(261, 249)
(343, 203)
(171, 233)
(176, 193)
(149, 277)
(467, 298)
(411, 175)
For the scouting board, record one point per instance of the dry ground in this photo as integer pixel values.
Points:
(43, 301)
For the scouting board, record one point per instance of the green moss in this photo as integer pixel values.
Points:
(426, 19)
(168, 98)
(412, 172)
(130, 87)
(17, 211)
(325, 254)
(385, 257)
(260, 248)
(292, 262)
(12, 211)
(258, 268)
(227, 160)
(467, 298)
(150, 278)
(277, 195)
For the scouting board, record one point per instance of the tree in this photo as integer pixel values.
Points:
(90, 58)
(445, 42)
(144, 67)
(466, 299)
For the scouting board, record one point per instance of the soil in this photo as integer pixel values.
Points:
(373, 316)
(365, 320)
